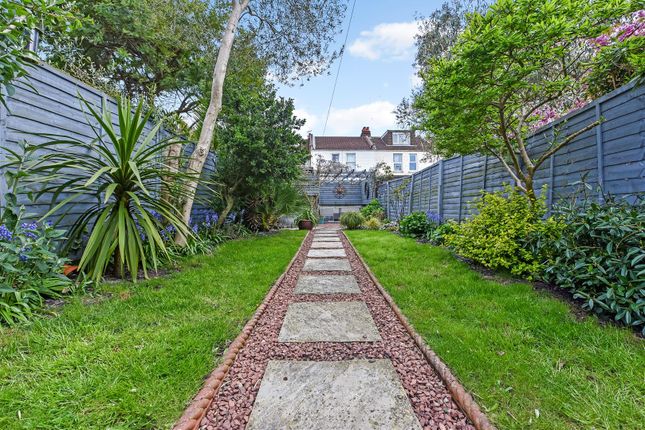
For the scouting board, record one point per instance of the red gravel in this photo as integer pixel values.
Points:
(430, 399)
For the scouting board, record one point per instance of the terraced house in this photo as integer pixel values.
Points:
(403, 150)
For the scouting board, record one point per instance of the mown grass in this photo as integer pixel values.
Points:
(133, 357)
(529, 362)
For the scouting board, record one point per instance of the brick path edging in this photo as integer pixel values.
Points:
(463, 399)
(196, 410)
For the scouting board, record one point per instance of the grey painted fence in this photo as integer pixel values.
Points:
(611, 155)
(49, 101)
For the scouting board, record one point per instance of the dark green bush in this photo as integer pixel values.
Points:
(497, 237)
(414, 225)
(352, 220)
(600, 257)
(437, 235)
(373, 210)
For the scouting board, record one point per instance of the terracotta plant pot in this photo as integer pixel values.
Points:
(305, 224)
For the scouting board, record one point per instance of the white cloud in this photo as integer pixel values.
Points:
(310, 118)
(378, 115)
(387, 41)
(415, 80)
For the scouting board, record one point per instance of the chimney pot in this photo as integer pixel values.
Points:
(365, 132)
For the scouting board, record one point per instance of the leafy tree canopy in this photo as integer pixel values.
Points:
(18, 20)
(159, 50)
(508, 65)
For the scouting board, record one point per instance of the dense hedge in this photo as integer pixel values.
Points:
(600, 257)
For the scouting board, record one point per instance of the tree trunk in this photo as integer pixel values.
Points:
(198, 157)
(230, 201)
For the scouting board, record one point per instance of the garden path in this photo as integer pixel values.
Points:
(328, 352)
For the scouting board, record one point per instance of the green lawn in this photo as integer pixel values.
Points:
(134, 360)
(526, 358)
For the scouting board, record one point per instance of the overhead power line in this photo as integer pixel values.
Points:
(340, 64)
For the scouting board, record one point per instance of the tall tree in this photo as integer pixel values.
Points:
(19, 21)
(438, 32)
(510, 65)
(296, 40)
(158, 50)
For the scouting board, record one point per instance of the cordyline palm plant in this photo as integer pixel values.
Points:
(122, 171)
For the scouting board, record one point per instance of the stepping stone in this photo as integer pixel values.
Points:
(326, 253)
(326, 245)
(328, 322)
(323, 264)
(327, 284)
(326, 239)
(332, 395)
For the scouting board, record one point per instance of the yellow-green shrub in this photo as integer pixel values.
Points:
(499, 236)
(372, 224)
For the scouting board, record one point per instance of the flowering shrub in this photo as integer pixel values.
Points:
(30, 269)
(618, 55)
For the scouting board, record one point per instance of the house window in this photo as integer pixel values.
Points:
(398, 162)
(351, 160)
(335, 158)
(400, 138)
(413, 162)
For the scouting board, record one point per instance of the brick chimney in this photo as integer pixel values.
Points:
(365, 132)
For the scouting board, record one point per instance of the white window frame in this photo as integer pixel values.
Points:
(350, 164)
(413, 169)
(335, 157)
(400, 138)
(397, 163)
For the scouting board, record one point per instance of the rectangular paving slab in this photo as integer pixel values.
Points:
(328, 322)
(326, 253)
(327, 284)
(332, 395)
(326, 239)
(326, 245)
(322, 264)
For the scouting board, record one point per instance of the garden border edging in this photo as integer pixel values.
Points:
(463, 399)
(198, 406)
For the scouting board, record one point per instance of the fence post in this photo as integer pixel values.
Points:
(3, 144)
(485, 171)
(551, 182)
(429, 188)
(387, 201)
(440, 190)
(461, 184)
(600, 154)
(410, 203)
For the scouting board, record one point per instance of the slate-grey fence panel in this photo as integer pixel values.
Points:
(611, 155)
(49, 101)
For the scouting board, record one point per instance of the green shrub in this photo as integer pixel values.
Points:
(352, 220)
(30, 269)
(414, 225)
(373, 210)
(373, 224)
(600, 257)
(437, 235)
(497, 236)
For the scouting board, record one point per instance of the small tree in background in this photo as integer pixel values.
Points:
(257, 147)
(510, 65)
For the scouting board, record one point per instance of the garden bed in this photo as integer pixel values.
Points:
(135, 359)
(527, 359)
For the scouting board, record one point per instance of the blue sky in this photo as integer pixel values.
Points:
(376, 72)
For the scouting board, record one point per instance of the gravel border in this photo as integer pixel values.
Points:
(227, 398)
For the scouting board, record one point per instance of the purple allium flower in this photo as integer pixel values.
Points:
(195, 228)
(5, 234)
